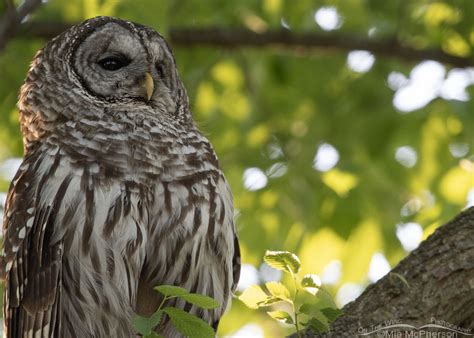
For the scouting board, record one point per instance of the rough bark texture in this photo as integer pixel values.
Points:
(440, 276)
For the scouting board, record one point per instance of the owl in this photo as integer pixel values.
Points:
(118, 191)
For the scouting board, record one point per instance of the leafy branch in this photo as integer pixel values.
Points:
(186, 323)
(306, 311)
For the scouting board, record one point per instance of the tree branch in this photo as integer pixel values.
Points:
(13, 17)
(237, 38)
(234, 38)
(440, 278)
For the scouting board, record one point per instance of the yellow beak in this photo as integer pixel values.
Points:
(149, 85)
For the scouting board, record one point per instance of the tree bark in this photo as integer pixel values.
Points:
(437, 286)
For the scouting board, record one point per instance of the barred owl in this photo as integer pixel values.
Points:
(118, 191)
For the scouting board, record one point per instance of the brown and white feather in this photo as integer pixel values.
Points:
(115, 194)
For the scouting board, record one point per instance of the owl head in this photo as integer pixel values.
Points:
(100, 67)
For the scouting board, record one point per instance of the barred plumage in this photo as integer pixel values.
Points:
(118, 191)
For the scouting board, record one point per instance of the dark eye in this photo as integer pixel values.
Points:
(114, 62)
(160, 70)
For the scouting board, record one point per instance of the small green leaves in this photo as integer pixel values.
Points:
(200, 300)
(196, 299)
(283, 260)
(317, 325)
(275, 292)
(144, 325)
(331, 313)
(253, 296)
(279, 291)
(269, 301)
(311, 283)
(189, 325)
(281, 316)
(309, 309)
(171, 290)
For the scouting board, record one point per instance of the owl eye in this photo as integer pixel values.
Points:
(160, 70)
(114, 62)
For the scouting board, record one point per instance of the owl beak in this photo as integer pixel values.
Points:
(149, 85)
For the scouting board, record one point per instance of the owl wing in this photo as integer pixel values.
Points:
(236, 263)
(32, 257)
(193, 243)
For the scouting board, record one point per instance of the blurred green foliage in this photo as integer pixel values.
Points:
(270, 108)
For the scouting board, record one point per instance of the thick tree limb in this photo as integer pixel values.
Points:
(238, 38)
(440, 277)
(11, 20)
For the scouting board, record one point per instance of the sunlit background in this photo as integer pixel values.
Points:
(348, 159)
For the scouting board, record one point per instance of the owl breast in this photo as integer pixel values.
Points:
(136, 146)
(157, 211)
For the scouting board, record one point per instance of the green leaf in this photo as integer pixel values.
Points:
(283, 260)
(305, 308)
(171, 290)
(309, 309)
(278, 290)
(189, 325)
(269, 301)
(200, 300)
(331, 313)
(317, 325)
(400, 277)
(141, 325)
(325, 298)
(281, 316)
(253, 296)
(144, 325)
(311, 283)
(196, 299)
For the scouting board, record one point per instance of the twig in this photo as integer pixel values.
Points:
(11, 20)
